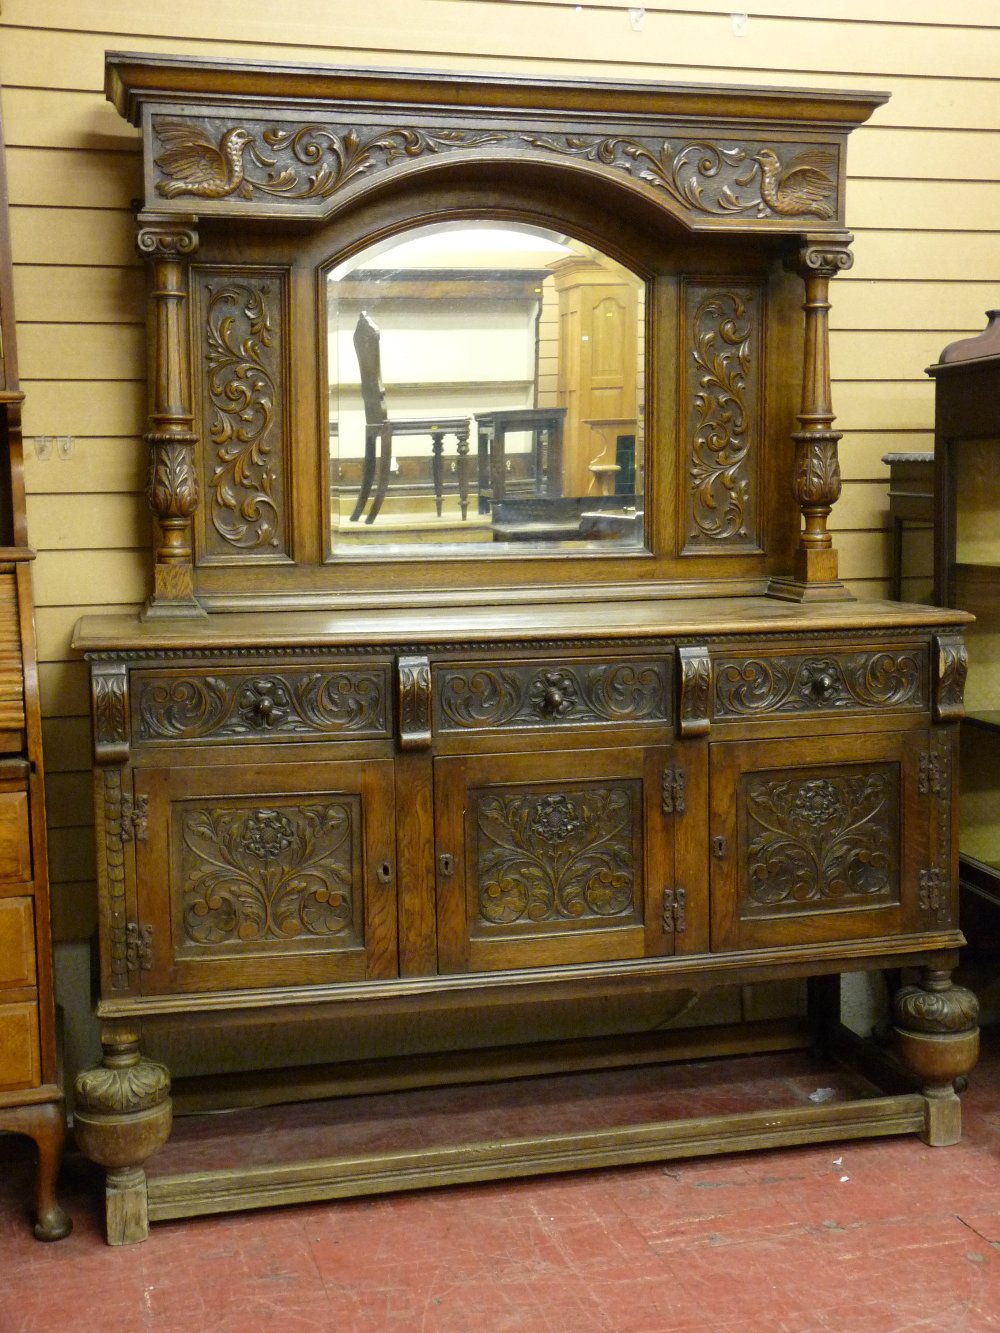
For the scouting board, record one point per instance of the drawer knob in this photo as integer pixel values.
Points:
(553, 699)
(823, 684)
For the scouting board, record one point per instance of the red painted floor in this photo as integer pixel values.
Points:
(884, 1236)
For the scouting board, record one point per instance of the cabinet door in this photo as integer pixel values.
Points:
(558, 857)
(279, 874)
(822, 838)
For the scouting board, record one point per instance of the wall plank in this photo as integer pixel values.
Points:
(83, 351)
(81, 295)
(98, 408)
(93, 466)
(103, 522)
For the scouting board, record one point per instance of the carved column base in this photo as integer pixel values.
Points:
(123, 1114)
(937, 1038)
(173, 594)
(804, 587)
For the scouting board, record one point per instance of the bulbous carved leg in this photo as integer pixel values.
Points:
(123, 1115)
(937, 1037)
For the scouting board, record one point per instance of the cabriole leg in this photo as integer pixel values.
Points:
(123, 1114)
(937, 1037)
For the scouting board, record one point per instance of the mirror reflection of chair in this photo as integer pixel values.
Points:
(380, 433)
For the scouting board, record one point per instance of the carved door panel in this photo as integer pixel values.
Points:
(267, 875)
(829, 838)
(560, 857)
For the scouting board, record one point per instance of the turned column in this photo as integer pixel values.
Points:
(123, 1114)
(816, 483)
(937, 1038)
(172, 489)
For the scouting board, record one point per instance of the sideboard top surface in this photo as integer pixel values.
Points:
(683, 617)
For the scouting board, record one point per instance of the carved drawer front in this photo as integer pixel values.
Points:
(829, 838)
(557, 857)
(15, 839)
(264, 875)
(265, 704)
(17, 942)
(514, 696)
(19, 1062)
(766, 684)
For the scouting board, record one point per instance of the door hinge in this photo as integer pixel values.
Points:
(134, 818)
(138, 947)
(674, 911)
(674, 789)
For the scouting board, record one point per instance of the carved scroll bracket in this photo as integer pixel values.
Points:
(951, 666)
(109, 696)
(816, 483)
(414, 703)
(695, 702)
(172, 490)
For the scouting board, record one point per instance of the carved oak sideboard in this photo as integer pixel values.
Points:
(407, 762)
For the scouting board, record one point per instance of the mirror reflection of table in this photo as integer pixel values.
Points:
(545, 425)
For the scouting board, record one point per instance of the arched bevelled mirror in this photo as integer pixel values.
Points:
(486, 386)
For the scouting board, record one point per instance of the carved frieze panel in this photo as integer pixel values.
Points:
(528, 695)
(242, 396)
(253, 877)
(723, 369)
(262, 166)
(792, 683)
(819, 841)
(261, 706)
(557, 855)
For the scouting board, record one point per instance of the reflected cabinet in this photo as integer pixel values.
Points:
(496, 649)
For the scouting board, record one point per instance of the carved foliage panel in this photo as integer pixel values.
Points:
(262, 876)
(518, 695)
(348, 701)
(756, 685)
(554, 855)
(221, 163)
(239, 347)
(818, 839)
(721, 402)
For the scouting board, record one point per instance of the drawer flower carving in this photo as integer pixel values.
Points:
(819, 841)
(553, 856)
(262, 874)
(526, 696)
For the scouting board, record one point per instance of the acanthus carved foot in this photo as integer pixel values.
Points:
(937, 1038)
(123, 1114)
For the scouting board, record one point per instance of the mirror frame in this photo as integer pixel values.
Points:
(257, 177)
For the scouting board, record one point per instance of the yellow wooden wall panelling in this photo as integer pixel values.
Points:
(923, 200)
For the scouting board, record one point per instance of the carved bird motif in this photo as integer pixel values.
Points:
(800, 188)
(197, 165)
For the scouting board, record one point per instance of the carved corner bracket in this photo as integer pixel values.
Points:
(950, 668)
(694, 708)
(414, 680)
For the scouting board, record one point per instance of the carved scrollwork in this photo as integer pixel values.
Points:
(819, 841)
(556, 856)
(750, 686)
(725, 328)
(109, 705)
(291, 703)
(718, 179)
(306, 162)
(524, 696)
(414, 678)
(255, 876)
(242, 368)
(826, 256)
(167, 240)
